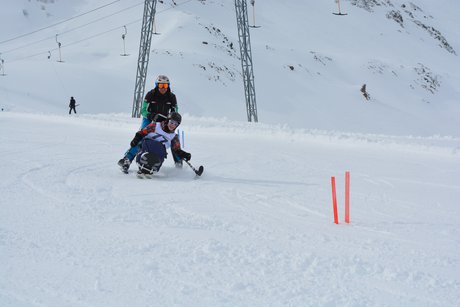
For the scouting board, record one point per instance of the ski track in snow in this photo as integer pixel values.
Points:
(256, 229)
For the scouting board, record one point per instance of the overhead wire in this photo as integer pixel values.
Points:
(72, 29)
(58, 23)
(73, 43)
(92, 36)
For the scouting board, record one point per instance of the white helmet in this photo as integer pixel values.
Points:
(162, 79)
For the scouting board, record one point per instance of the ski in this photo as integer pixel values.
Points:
(142, 174)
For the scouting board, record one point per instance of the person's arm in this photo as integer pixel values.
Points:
(175, 143)
(141, 133)
(149, 97)
(144, 109)
(175, 146)
(174, 105)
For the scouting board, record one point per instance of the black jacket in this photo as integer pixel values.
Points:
(158, 103)
(72, 103)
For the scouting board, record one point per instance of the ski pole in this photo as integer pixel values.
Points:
(197, 172)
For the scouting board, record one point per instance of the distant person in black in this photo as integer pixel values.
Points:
(72, 105)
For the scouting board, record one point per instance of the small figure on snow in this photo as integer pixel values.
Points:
(365, 93)
(158, 104)
(72, 105)
(150, 143)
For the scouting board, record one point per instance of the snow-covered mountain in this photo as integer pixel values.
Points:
(256, 229)
(309, 64)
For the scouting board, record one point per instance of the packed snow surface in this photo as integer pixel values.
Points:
(256, 229)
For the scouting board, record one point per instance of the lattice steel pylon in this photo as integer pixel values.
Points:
(245, 50)
(246, 58)
(144, 53)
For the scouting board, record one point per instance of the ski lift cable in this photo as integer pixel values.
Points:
(58, 23)
(105, 17)
(84, 25)
(89, 37)
(85, 13)
(72, 43)
(94, 36)
(73, 29)
(29, 44)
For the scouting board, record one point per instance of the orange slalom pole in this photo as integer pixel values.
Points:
(347, 197)
(334, 201)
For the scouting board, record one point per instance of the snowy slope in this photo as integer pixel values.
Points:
(309, 64)
(255, 230)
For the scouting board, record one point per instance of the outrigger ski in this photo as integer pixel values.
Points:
(144, 176)
(144, 173)
(147, 165)
(198, 171)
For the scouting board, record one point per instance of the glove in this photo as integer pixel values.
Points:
(151, 116)
(137, 138)
(159, 117)
(184, 155)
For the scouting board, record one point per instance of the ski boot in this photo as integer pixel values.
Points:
(124, 163)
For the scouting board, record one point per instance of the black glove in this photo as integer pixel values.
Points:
(137, 138)
(184, 155)
(151, 116)
(159, 117)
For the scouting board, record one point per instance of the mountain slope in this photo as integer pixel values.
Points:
(309, 64)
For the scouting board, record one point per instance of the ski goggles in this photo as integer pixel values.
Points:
(163, 85)
(171, 121)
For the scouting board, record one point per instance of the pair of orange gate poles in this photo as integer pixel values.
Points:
(347, 199)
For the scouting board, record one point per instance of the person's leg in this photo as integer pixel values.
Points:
(145, 122)
(129, 156)
(132, 152)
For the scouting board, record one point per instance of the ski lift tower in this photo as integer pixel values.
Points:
(144, 53)
(245, 49)
(246, 58)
